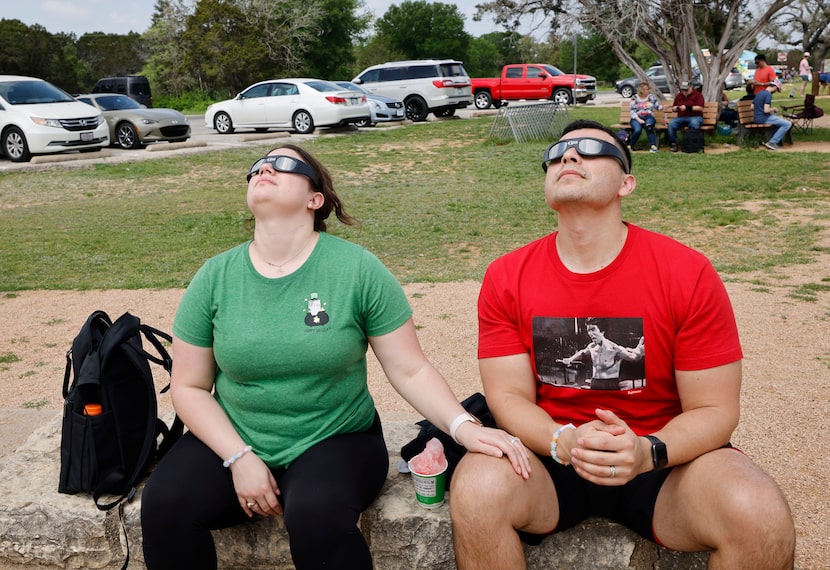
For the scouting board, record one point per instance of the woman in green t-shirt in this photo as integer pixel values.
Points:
(269, 376)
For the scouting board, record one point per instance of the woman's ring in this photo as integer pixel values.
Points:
(613, 472)
(251, 504)
(514, 440)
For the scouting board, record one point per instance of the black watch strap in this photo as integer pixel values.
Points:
(659, 453)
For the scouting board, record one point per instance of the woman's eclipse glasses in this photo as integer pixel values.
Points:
(585, 146)
(282, 163)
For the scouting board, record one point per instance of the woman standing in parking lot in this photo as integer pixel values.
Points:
(270, 378)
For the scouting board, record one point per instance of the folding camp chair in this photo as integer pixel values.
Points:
(802, 115)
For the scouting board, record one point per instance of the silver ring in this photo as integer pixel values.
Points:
(613, 472)
(251, 505)
(514, 440)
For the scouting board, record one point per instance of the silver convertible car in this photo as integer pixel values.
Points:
(132, 125)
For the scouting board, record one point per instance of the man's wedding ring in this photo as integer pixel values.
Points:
(613, 472)
(251, 504)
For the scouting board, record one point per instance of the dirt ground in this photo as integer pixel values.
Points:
(785, 406)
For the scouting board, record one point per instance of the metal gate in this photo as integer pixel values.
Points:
(524, 123)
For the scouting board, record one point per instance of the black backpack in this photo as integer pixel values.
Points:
(693, 140)
(107, 454)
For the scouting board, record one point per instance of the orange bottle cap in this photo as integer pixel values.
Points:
(93, 410)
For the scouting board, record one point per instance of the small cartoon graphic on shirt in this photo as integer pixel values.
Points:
(590, 353)
(316, 315)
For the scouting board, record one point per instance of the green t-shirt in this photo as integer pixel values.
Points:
(291, 351)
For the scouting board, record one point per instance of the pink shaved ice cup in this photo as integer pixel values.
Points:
(428, 470)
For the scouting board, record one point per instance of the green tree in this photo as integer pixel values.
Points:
(424, 30)
(671, 29)
(224, 49)
(804, 25)
(105, 55)
(594, 57)
(165, 61)
(375, 49)
(33, 51)
(331, 54)
(482, 58)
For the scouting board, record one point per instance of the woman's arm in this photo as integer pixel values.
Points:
(419, 382)
(191, 385)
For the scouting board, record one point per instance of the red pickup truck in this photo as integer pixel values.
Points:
(533, 81)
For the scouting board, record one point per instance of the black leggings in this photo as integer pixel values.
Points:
(322, 493)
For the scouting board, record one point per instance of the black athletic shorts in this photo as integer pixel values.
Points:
(631, 505)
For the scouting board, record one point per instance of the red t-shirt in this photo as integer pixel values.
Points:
(763, 76)
(657, 290)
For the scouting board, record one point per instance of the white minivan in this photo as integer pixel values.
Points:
(38, 118)
(437, 86)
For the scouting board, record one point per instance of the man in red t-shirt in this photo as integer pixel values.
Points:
(648, 449)
(764, 74)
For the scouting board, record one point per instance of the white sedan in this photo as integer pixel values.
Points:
(301, 104)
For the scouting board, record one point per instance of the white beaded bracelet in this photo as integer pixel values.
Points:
(235, 458)
(555, 439)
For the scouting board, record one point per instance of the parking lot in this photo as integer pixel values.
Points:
(204, 139)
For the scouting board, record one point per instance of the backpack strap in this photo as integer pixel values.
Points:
(85, 342)
(152, 334)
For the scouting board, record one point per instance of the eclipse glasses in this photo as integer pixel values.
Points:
(585, 146)
(282, 163)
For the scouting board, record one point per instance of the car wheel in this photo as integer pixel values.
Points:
(416, 109)
(445, 112)
(627, 91)
(303, 122)
(15, 146)
(364, 123)
(126, 136)
(483, 100)
(562, 97)
(223, 123)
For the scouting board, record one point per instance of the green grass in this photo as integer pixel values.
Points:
(438, 201)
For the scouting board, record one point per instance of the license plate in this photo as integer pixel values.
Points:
(399, 112)
(86, 136)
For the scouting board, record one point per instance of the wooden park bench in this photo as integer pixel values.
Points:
(747, 124)
(663, 117)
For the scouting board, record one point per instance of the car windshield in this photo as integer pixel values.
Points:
(30, 92)
(554, 71)
(116, 103)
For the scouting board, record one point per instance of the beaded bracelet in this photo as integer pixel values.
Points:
(555, 439)
(236, 457)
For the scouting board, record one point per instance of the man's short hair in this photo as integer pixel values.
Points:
(760, 57)
(580, 124)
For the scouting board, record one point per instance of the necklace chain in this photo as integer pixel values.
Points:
(279, 266)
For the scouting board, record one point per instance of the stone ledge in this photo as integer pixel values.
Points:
(40, 527)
